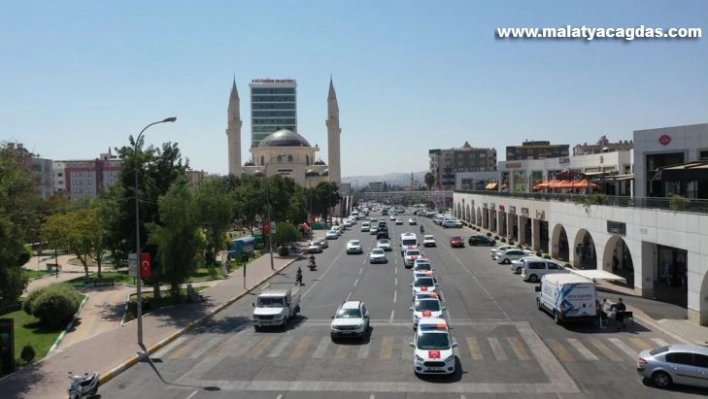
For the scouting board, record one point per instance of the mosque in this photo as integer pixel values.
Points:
(285, 152)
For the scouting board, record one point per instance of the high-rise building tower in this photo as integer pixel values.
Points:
(233, 132)
(333, 133)
(273, 107)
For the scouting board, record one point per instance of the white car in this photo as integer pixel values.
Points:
(322, 243)
(354, 247)
(495, 251)
(452, 223)
(429, 241)
(393, 217)
(377, 255)
(422, 266)
(410, 256)
(426, 308)
(351, 320)
(412, 221)
(424, 284)
(347, 223)
(373, 230)
(512, 254)
(314, 248)
(433, 348)
(518, 264)
(384, 244)
(399, 221)
(332, 235)
(422, 273)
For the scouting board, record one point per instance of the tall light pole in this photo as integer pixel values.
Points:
(139, 282)
(270, 230)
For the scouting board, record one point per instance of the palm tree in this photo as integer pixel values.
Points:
(429, 180)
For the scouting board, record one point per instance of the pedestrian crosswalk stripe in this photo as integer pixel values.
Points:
(640, 343)
(301, 347)
(406, 350)
(364, 351)
(659, 342)
(585, 352)
(473, 346)
(341, 352)
(182, 350)
(260, 347)
(321, 348)
(497, 348)
(387, 348)
(203, 348)
(280, 346)
(217, 350)
(242, 347)
(605, 350)
(560, 350)
(623, 347)
(518, 348)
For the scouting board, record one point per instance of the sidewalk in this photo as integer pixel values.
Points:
(47, 378)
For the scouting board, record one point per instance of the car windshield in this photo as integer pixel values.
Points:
(353, 242)
(430, 304)
(409, 242)
(424, 282)
(412, 253)
(383, 242)
(456, 238)
(377, 252)
(423, 266)
(270, 302)
(432, 341)
(349, 314)
(429, 237)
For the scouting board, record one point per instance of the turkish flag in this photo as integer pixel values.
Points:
(423, 289)
(427, 313)
(433, 354)
(145, 265)
(266, 227)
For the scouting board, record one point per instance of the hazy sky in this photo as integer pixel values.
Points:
(77, 77)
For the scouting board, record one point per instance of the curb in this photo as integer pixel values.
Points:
(61, 336)
(114, 372)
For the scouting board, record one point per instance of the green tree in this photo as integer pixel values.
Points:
(298, 206)
(176, 237)
(285, 233)
(214, 212)
(324, 197)
(250, 200)
(54, 231)
(429, 180)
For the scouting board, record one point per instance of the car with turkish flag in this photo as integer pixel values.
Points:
(409, 257)
(426, 308)
(424, 284)
(433, 346)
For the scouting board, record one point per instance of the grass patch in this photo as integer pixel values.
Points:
(29, 331)
(119, 277)
(35, 274)
(151, 304)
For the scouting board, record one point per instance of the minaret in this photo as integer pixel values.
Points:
(233, 132)
(333, 133)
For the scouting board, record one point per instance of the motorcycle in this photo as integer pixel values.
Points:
(422, 229)
(312, 266)
(83, 386)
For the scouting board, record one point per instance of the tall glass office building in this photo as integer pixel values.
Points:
(273, 107)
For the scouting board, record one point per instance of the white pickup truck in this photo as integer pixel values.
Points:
(276, 304)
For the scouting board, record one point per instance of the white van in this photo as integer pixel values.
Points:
(408, 241)
(365, 227)
(567, 297)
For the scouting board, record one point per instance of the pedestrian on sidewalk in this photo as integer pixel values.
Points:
(602, 311)
(621, 308)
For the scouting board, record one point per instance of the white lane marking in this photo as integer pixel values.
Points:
(582, 349)
(395, 270)
(356, 282)
(392, 313)
(321, 348)
(349, 296)
(395, 295)
(463, 397)
(372, 397)
(279, 397)
(322, 276)
(191, 395)
(624, 348)
(364, 351)
(395, 281)
(494, 300)
(361, 271)
(660, 342)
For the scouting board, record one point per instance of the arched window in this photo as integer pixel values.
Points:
(280, 158)
(262, 160)
(290, 158)
(307, 159)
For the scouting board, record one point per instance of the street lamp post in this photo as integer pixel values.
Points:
(270, 230)
(139, 280)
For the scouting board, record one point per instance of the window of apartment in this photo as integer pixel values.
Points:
(703, 155)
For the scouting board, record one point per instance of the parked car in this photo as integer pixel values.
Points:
(457, 242)
(314, 248)
(332, 235)
(675, 364)
(507, 256)
(481, 240)
(324, 244)
(451, 223)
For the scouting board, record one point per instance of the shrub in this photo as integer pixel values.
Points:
(569, 266)
(25, 255)
(56, 305)
(496, 238)
(27, 353)
(511, 242)
(489, 234)
(546, 256)
(503, 239)
(538, 253)
(29, 301)
(520, 246)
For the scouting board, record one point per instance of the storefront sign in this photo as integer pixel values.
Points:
(525, 212)
(512, 210)
(665, 139)
(513, 165)
(540, 215)
(616, 228)
(564, 160)
(501, 208)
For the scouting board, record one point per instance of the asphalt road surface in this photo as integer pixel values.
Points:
(506, 347)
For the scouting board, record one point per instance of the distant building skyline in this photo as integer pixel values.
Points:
(273, 107)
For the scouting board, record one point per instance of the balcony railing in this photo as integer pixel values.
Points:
(678, 204)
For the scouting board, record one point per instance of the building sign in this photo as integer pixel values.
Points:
(512, 210)
(540, 215)
(616, 228)
(501, 208)
(564, 160)
(273, 81)
(513, 165)
(493, 206)
(525, 212)
(665, 139)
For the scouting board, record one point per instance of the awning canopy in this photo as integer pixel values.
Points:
(599, 275)
(690, 171)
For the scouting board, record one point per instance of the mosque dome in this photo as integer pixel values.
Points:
(319, 162)
(284, 138)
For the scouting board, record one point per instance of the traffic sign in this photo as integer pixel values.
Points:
(133, 265)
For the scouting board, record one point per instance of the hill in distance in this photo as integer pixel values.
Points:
(396, 179)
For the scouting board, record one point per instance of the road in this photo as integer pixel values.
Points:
(507, 348)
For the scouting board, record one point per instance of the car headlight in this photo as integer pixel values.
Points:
(419, 359)
(450, 359)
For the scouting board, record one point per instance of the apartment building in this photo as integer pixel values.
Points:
(602, 145)
(446, 163)
(536, 150)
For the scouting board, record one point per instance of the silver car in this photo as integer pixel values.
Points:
(384, 244)
(675, 364)
(377, 255)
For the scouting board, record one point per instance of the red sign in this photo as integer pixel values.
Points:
(665, 139)
(427, 313)
(266, 227)
(423, 289)
(145, 265)
(433, 354)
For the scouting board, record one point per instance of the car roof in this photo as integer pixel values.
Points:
(351, 305)
(703, 350)
(353, 241)
(428, 236)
